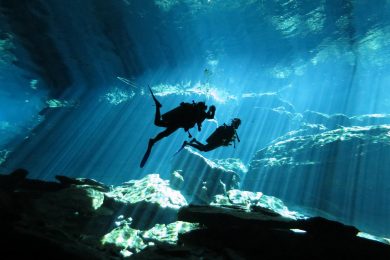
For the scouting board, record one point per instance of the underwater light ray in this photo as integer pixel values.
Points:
(127, 144)
(76, 139)
(100, 149)
(79, 130)
(127, 127)
(255, 120)
(375, 93)
(365, 188)
(42, 136)
(107, 148)
(44, 139)
(256, 144)
(110, 149)
(125, 154)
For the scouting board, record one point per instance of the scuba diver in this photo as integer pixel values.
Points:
(222, 136)
(185, 116)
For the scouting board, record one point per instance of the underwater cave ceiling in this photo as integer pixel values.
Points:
(64, 47)
(54, 51)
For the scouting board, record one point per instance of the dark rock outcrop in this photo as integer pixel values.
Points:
(70, 218)
(231, 233)
(343, 172)
(80, 219)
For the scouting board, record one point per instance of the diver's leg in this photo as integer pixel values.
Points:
(157, 116)
(152, 141)
(163, 134)
(157, 119)
(198, 146)
(202, 147)
(208, 147)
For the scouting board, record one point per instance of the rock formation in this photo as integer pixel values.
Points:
(202, 178)
(333, 171)
(85, 219)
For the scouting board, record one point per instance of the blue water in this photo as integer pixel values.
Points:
(96, 58)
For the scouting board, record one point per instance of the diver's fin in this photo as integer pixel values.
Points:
(146, 155)
(181, 148)
(154, 98)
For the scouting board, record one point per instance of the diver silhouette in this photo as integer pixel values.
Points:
(222, 136)
(185, 116)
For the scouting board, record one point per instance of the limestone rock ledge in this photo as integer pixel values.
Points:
(343, 172)
(85, 219)
(232, 233)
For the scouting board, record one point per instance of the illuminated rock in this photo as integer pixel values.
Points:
(371, 119)
(330, 121)
(71, 217)
(203, 178)
(232, 164)
(77, 220)
(151, 189)
(254, 200)
(148, 201)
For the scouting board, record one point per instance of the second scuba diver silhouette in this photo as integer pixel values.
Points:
(222, 136)
(184, 116)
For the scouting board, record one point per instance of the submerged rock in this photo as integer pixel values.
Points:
(371, 119)
(151, 189)
(128, 241)
(3, 155)
(268, 101)
(80, 221)
(123, 241)
(202, 178)
(254, 200)
(343, 172)
(330, 121)
(72, 217)
(234, 233)
(148, 201)
(67, 181)
(305, 129)
(232, 164)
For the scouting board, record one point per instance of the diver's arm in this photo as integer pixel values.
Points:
(187, 130)
(211, 112)
(199, 126)
(238, 138)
